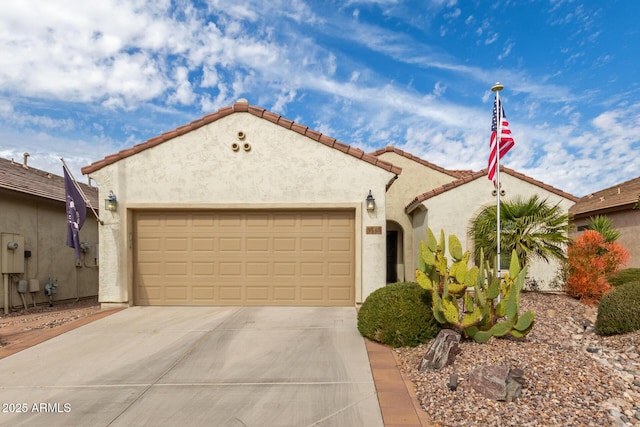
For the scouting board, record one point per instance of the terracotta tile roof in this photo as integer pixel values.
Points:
(617, 197)
(483, 173)
(242, 106)
(35, 182)
(392, 149)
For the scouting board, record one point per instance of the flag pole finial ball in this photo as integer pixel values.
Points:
(497, 87)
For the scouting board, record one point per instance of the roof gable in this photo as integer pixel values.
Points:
(483, 173)
(35, 182)
(242, 106)
(615, 197)
(392, 149)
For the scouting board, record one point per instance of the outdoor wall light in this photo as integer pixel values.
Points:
(371, 202)
(111, 203)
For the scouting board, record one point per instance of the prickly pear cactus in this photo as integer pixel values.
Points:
(474, 301)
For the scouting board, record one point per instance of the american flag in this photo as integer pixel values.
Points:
(506, 141)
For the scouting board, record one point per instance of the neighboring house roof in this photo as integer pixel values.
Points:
(475, 175)
(242, 106)
(392, 149)
(16, 176)
(618, 197)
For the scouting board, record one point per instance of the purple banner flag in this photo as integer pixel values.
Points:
(76, 212)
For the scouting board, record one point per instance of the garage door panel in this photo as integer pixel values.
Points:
(203, 269)
(176, 293)
(258, 294)
(230, 244)
(231, 294)
(257, 269)
(338, 294)
(202, 220)
(152, 244)
(337, 269)
(339, 244)
(203, 244)
(231, 220)
(233, 269)
(146, 219)
(175, 220)
(203, 293)
(312, 293)
(284, 269)
(244, 258)
(284, 244)
(257, 244)
(149, 269)
(176, 269)
(341, 220)
(315, 244)
(257, 220)
(151, 293)
(312, 220)
(285, 221)
(179, 244)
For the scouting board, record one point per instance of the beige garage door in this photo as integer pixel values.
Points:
(244, 258)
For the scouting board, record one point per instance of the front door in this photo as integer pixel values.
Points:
(392, 256)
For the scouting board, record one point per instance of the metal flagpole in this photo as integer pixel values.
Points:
(497, 88)
(86, 199)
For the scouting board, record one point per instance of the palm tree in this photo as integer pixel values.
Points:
(604, 226)
(533, 227)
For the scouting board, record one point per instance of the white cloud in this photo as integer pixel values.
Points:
(22, 119)
(331, 64)
(453, 14)
(491, 39)
(183, 93)
(179, 58)
(506, 51)
(283, 98)
(439, 89)
(209, 77)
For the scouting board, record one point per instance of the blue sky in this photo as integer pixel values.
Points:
(82, 80)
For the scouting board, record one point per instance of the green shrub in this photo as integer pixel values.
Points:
(399, 315)
(624, 276)
(618, 310)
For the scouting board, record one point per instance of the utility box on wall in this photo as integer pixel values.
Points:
(12, 253)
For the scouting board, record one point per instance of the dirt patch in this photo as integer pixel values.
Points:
(24, 328)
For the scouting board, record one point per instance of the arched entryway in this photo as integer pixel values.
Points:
(395, 252)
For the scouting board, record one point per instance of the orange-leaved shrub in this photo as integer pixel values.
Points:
(590, 260)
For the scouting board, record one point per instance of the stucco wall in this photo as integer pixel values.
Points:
(415, 179)
(454, 210)
(628, 223)
(42, 223)
(200, 170)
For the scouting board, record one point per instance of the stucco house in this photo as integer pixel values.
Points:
(453, 200)
(246, 207)
(619, 203)
(33, 216)
(242, 207)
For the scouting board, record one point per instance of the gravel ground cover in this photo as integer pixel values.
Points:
(572, 377)
(19, 325)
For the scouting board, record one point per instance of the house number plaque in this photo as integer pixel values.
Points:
(374, 230)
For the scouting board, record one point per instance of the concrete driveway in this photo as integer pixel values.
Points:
(196, 366)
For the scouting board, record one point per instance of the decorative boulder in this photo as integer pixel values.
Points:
(442, 352)
(497, 382)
